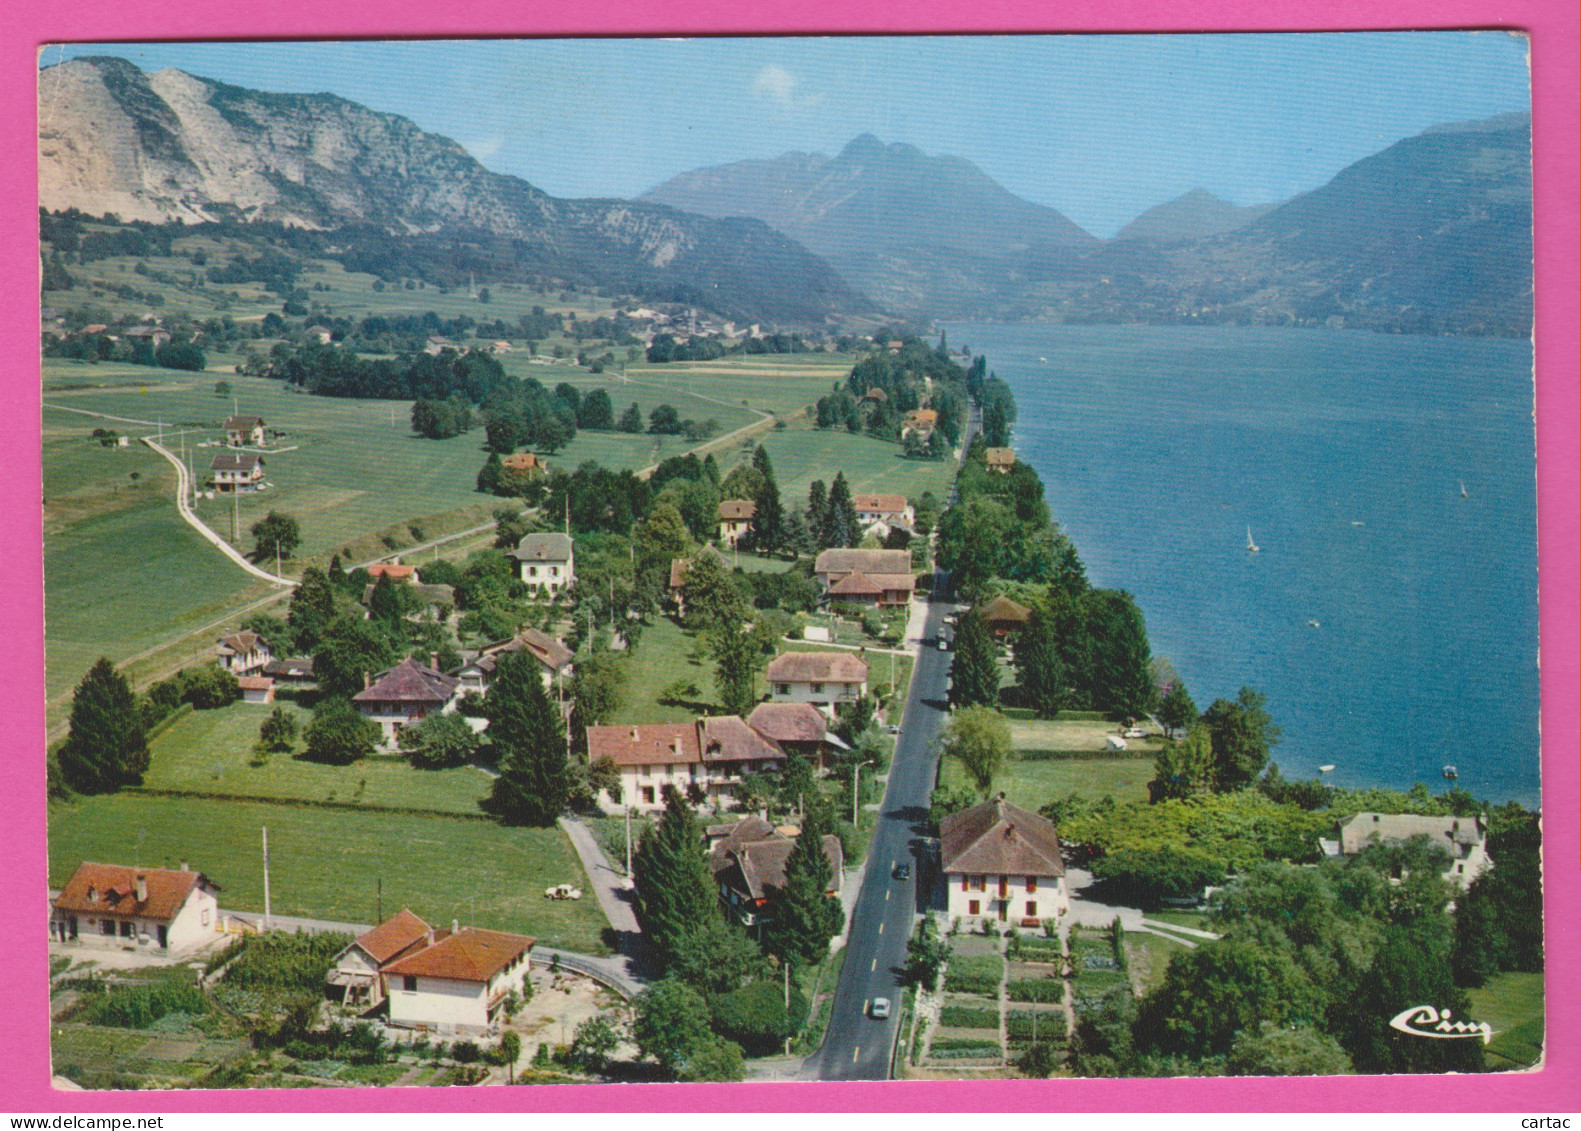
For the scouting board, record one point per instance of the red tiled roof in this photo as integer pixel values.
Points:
(245, 423)
(817, 667)
(254, 682)
(997, 837)
(648, 744)
(789, 722)
(737, 510)
(543, 548)
(239, 642)
(470, 955)
(727, 738)
(408, 682)
(544, 648)
(522, 461)
(884, 504)
(856, 584)
(236, 461)
(394, 936)
(393, 570)
(113, 888)
(870, 562)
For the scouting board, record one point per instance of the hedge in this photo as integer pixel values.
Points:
(1048, 990)
(969, 1017)
(963, 1044)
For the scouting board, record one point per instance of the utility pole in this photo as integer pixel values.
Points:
(380, 919)
(856, 780)
(267, 916)
(236, 514)
(628, 842)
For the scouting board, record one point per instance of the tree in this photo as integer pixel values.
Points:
(1147, 876)
(275, 533)
(1039, 1060)
(439, 742)
(757, 1016)
(1297, 1051)
(979, 739)
(339, 734)
(222, 388)
(768, 523)
(1242, 733)
(1498, 921)
(735, 655)
(631, 419)
(1177, 710)
(510, 1050)
(974, 673)
(839, 527)
(1184, 768)
(1409, 968)
(671, 1024)
(996, 428)
(385, 604)
(106, 747)
(802, 916)
(1118, 677)
(926, 953)
(658, 540)
(817, 504)
(1040, 666)
(597, 412)
(675, 895)
(312, 608)
(278, 731)
(594, 1042)
(525, 730)
(350, 650)
(552, 433)
(489, 476)
(211, 687)
(714, 1062)
(596, 688)
(712, 596)
(664, 421)
(718, 958)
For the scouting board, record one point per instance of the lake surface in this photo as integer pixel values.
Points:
(1345, 455)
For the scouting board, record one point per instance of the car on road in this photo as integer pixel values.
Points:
(893, 728)
(879, 1009)
(903, 871)
(944, 642)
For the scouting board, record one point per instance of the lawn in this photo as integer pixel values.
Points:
(1032, 784)
(1148, 958)
(211, 752)
(327, 863)
(664, 654)
(801, 454)
(1513, 1005)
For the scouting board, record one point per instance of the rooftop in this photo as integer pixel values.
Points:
(737, 510)
(883, 504)
(236, 461)
(817, 667)
(543, 548)
(870, 562)
(997, 837)
(469, 955)
(111, 889)
(408, 682)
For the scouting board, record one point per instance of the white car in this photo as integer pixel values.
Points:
(1135, 732)
(879, 1009)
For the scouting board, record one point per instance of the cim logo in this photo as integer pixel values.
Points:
(1425, 1021)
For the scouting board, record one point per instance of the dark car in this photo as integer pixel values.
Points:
(903, 871)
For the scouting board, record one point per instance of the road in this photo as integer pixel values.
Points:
(857, 1047)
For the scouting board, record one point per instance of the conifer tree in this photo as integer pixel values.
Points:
(384, 603)
(631, 419)
(312, 607)
(534, 778)
(489, 476)
(817, 504)
(735, 663)
(839, 520)
(803, 917)
(1039, 666)
(675, 896)
(106, 747)
(974, 674)
(768, 523)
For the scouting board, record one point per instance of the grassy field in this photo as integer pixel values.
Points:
(211, 752)
(802, 454)
(663, 655)
(1513, 1005)
(1031, 782)
(325, 863)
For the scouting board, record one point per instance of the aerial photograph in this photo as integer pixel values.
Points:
(598, 561)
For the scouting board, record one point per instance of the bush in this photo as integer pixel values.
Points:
(138, 1007)
(465, 1052)
(210, 687)
(755, 1016)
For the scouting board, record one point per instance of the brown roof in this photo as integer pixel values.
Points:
(393, 570)
(394, 936)
(817, 667)
(111, 889)
(875, 394)
(292, 667)
(408, 682)
(884, 504)
(679, 566)
(997, 837)
(728, 738)
(236, 461)
(999, 457)
(470, 955)
(1453, 833)
(240, 642)
(522, 461)
(737, 510)
(648, 744)
(856, 584)
(548, 651)
(254, 682)
(922, 418)
(737, 833)
(870, 562)
(1004, 609)
(758, 866)
(245, 423)
(543, 548)
(789, 722)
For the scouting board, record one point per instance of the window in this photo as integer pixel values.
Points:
(409, 983)
(979, 883)
(817, 689)
(107, 926)
(973, 907)
(1032, 884)
(645, 771)
(205, 917)
(647, 795)
(782, 689)
(1032, 909)
(1004, 887)
(965, 884)
(126, 929)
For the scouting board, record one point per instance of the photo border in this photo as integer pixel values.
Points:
(1552, 28)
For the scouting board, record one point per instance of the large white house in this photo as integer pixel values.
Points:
(404, 696)
(735, 520)
(830, 680)
(546, 562)
(110, 905)
(869, 577)
(886, 510)
(237, 471)
(1003, 864)
(705, 758)
(243, 430)
(1464, 838)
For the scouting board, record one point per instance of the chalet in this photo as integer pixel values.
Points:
(867, 577)
(1463, 838)
(403, 696)
(1004, 616)
(735, 520)
(919, 422)
(237, 471)
(155, 336)
(553, 657)
(886, 510)
(524, 463)
(110, 905)
(705, 759)
(1000, 460)
(748, 864)
(241, 431)
(256, 688)
(1002, 863)
(546, 561)
(829, 680)
(797, 728)
(242, 653)
(459, 983)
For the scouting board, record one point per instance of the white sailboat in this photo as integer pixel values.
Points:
(1463, 492)
(1251, 547)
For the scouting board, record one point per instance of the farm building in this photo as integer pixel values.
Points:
(706, 758)
(256, 688)
(867, 577)
(1001, 460)
(1463, 838)
(1004, 616)
(243, 653)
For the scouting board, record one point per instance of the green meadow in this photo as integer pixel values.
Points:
(1032, 778)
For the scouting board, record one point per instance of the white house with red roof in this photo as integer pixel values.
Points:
(704, 759)
(237, 471)
(887, 511)
(243, 653)
(1003, 864)
(243, 430)
(546, 562)
(828, 680)
(460, 982)
(404, 696)
(867, 577)
(554, 660)
(735, 520)
(167, 910)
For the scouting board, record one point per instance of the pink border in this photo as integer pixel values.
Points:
(1552, 24)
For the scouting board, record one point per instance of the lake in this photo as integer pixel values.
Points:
(1390, 614)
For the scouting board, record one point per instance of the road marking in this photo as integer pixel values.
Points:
(856, 1052)
(875, 965)
(881, 928)
(887, 895)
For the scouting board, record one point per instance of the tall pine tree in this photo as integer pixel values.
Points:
(974, 674)
(106, 747)
(675, 896)
(768, 523)
(534, 778)
(803, 917)
(735, 655)
(1040, 667)
(817, 505)
(839, 527)
(312, 608)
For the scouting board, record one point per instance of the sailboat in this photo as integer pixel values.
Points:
(1463, 493)
(1251, 547)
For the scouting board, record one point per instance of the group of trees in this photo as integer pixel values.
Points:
(883, 386)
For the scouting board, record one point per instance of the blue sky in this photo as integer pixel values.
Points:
(1100, 127)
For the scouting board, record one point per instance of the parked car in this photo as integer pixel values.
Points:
(903, 871)
(1135, 732)
(944, 642)
(879, 1009)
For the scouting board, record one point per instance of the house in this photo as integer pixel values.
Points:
(394, 570)
(748, 864)
(1464, 838)
(1004, 616)
(886, 510)
(875, 395)
(403, 696)
(499, 345)
(705, 759)
(867, 577)
(546, 562)
(240, 431)
(237, 471)
(797, 728)
(828, 679)
(155, 336)
(735, 520)
(524, 463)
(295, 670)
(1002, 863)
(553, 657)
(436, 345)
(357, 978)
(919, 422)
(1000, 460)
(457, 984)
(256, 688)
(242, 653)
(109, 905)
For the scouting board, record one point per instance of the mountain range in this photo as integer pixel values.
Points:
(1191, 216)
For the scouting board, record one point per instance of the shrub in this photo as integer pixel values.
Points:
(465, 1052)
(138, 1007)
(755, 1016)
